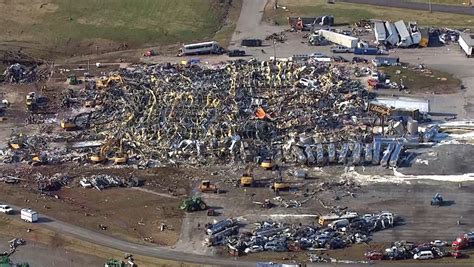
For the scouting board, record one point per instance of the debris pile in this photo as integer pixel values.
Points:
(279, 237)
(235, 112)
(104, 181)
(14, 243)
(51, 183)
(18, 73)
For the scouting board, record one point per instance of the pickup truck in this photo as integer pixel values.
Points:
(236, 53)
(6, 209)
(340, 49)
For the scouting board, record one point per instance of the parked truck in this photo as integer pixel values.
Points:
(405, 36)
(466, 41)
(29, 215)
(380, 33)
(340, 39)
(392, 34)
(366, 51)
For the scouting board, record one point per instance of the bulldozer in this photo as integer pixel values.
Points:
(268, 164)
(38, 159)
(279, 184)
(104, 82)
(247, 177)
(193, 204)
(207, 187)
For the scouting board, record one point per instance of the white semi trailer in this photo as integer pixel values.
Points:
(392, 34)
(379, 31)
(405, 37)
(466, 41)
(340, 39)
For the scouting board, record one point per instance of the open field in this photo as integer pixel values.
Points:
(346, 13)
(44, 247)
(423, 80)
(65, 27)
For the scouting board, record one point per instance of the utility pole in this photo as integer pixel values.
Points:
(274, 50)
(430, 7)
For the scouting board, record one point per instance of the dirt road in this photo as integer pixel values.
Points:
(416, 6)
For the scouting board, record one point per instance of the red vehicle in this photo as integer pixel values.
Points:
(374, 255)
(460, 243)
(457, 254)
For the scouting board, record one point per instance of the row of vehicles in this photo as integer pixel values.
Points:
(27, 215)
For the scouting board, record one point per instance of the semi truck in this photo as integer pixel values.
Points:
(340, 39)
(466, 41)
(392, 34)
(380, 33)
(405, 36)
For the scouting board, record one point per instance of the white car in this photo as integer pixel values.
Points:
(423, 255)
(253, 249)
(439, 243)
(85, 183)
(6, 209)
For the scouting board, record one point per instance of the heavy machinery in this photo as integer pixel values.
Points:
(17, 141)
(437, 200)
(72, 79)
(114, 263)
(121, 157)
(104, 82)
(34, 102)
(193, 204)
(38, 159)
(279, 184)
(267, 164)
(79, 121)
(207, 187)
(247, 177)
(101, 157)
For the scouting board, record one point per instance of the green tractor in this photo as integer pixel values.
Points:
(193, 204)
(5, 262)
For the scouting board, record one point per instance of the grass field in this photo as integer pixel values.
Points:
(346, 13)
(75, 27)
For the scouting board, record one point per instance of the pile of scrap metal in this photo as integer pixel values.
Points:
(51, 183)
(18, 73)
(104, 181)
(309, 23)
(280, 237)
(14, 243)
(277, 37)
(239, 111)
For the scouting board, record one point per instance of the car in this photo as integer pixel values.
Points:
(439, 243)
(423, 255)
(253, 249)
(275, 246)
(374, 255)
(6, 209)
(236, 53)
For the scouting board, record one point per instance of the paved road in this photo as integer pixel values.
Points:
(416, 6)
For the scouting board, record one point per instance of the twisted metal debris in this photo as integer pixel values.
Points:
(231, 112)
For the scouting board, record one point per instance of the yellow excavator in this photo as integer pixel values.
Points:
(101, 157)
(71, 124)
(247, 177)
(17, 142)
(104, 82)
(121, 157)
(279, 184)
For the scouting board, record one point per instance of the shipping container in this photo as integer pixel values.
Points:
(340, 39)
(368, 153)
(386, 155)
(414, 32)
(332, 152)
(377, 151)
(343, 153)
(320, 154)
(251, 42)
(395, 157)
(356, 154)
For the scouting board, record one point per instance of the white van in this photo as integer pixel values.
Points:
(423, 255)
